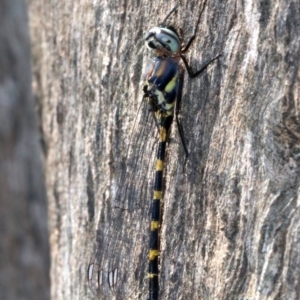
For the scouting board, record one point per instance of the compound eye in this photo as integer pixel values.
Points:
(166, 40)
(169, 41)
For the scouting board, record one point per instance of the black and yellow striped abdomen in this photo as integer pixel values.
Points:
(155, 216)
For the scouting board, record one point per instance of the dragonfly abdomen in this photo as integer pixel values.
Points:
(155, 216)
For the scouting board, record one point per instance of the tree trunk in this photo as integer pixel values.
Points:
(24, 241)
(230, 227)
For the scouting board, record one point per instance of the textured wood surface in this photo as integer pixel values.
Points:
(231, 215)
(24, 241)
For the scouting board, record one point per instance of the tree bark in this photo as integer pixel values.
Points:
(230, 226)
(24, 246)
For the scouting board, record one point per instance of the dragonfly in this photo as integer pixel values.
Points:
(118, 269)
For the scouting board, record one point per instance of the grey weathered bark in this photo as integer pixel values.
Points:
(24, 241)
(231, 216)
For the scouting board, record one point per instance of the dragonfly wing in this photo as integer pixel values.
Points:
(118, 269)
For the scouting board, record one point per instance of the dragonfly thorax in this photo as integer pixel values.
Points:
(161, 84)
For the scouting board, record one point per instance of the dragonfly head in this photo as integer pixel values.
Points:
(164, 38)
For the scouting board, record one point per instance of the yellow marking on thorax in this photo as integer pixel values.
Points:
(154, 225)
(153, 254)
(170, 86)
(169, 108)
